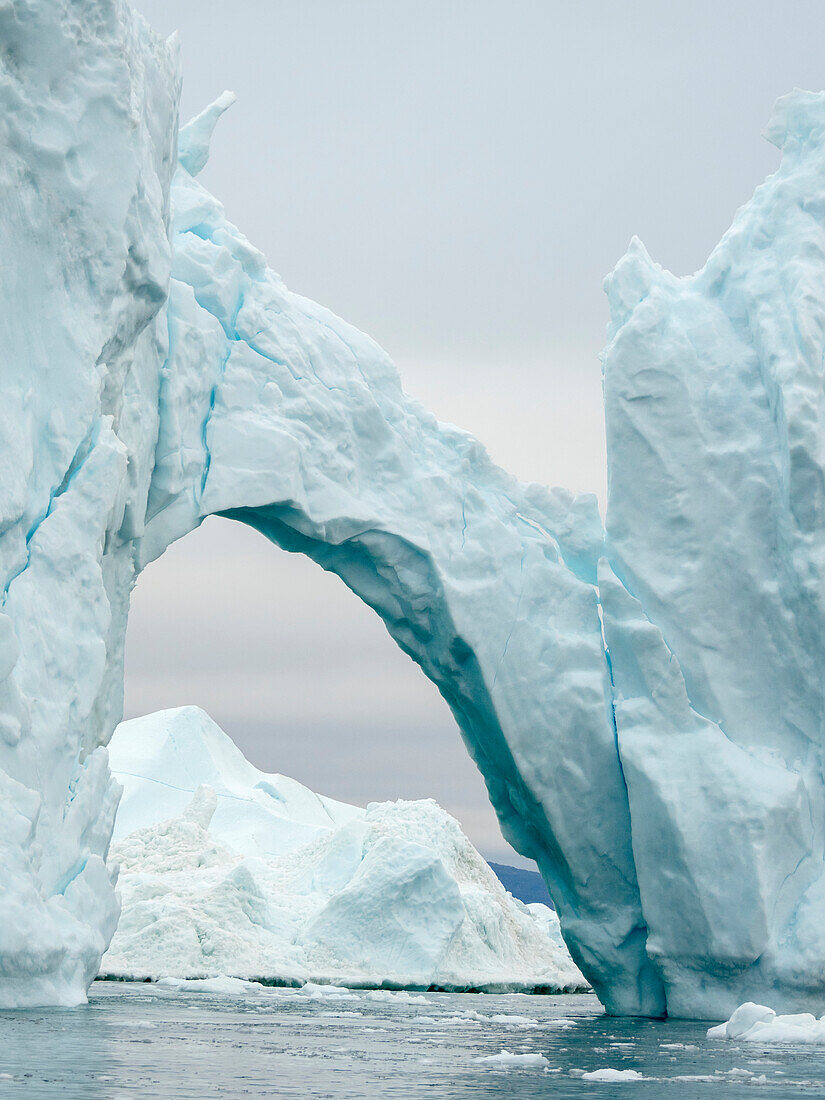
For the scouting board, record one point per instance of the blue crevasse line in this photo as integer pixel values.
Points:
(232, 339)
(609, 664)
(163, 374)
(515, 618)
(75, 466)
(69, 878)
(288, 366)
(617, 570)
(174, 787)
(643, 927)
(207, 461)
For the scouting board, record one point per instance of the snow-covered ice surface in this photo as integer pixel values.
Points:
(650, 700)
(227, 870)
(147, 1040)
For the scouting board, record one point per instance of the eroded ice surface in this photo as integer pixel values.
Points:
(229, 871)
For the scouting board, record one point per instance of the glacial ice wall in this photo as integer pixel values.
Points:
(88, 117)
(645, 709)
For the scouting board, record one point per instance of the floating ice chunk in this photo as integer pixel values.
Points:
(397, 996)
(607, 1075)
(223, 986)
(507, 1060)
(513, 1021)
(752, 1023)
(323, 991)
(742, 1021)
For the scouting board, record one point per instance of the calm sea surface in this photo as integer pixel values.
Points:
(140, 1040)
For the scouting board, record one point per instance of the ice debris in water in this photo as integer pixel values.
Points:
(226, 870)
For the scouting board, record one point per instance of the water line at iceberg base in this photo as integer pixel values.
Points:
(644, 700)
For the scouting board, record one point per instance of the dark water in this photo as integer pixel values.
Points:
(139, 1040)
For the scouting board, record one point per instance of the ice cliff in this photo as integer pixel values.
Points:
(645, 706)
(226, 870)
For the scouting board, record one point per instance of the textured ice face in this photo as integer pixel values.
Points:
(88, 109)
(646, 711)
(716, 524)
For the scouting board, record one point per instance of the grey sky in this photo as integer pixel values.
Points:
(456, 179)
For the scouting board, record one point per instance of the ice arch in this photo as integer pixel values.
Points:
(275, 413)
(646, 707)
(157, 372)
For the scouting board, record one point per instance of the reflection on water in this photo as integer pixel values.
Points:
(139, 1039)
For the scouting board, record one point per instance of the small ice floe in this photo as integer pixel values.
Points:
(607, 1075)
(397, 996)
(316, 991)
(752, 1023)
(748, 1075)
(222, 986)
(743, 1075)
(507, 1060)
(513, 1021)
(474, 1018)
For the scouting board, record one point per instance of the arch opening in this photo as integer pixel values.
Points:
(300, 674)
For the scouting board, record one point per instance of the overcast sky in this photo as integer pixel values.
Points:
(455, 178)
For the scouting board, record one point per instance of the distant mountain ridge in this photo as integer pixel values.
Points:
(527, 886)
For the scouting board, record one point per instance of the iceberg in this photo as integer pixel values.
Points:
(644, 701)
(229, 872)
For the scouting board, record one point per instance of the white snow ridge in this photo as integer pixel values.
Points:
(228, 871)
